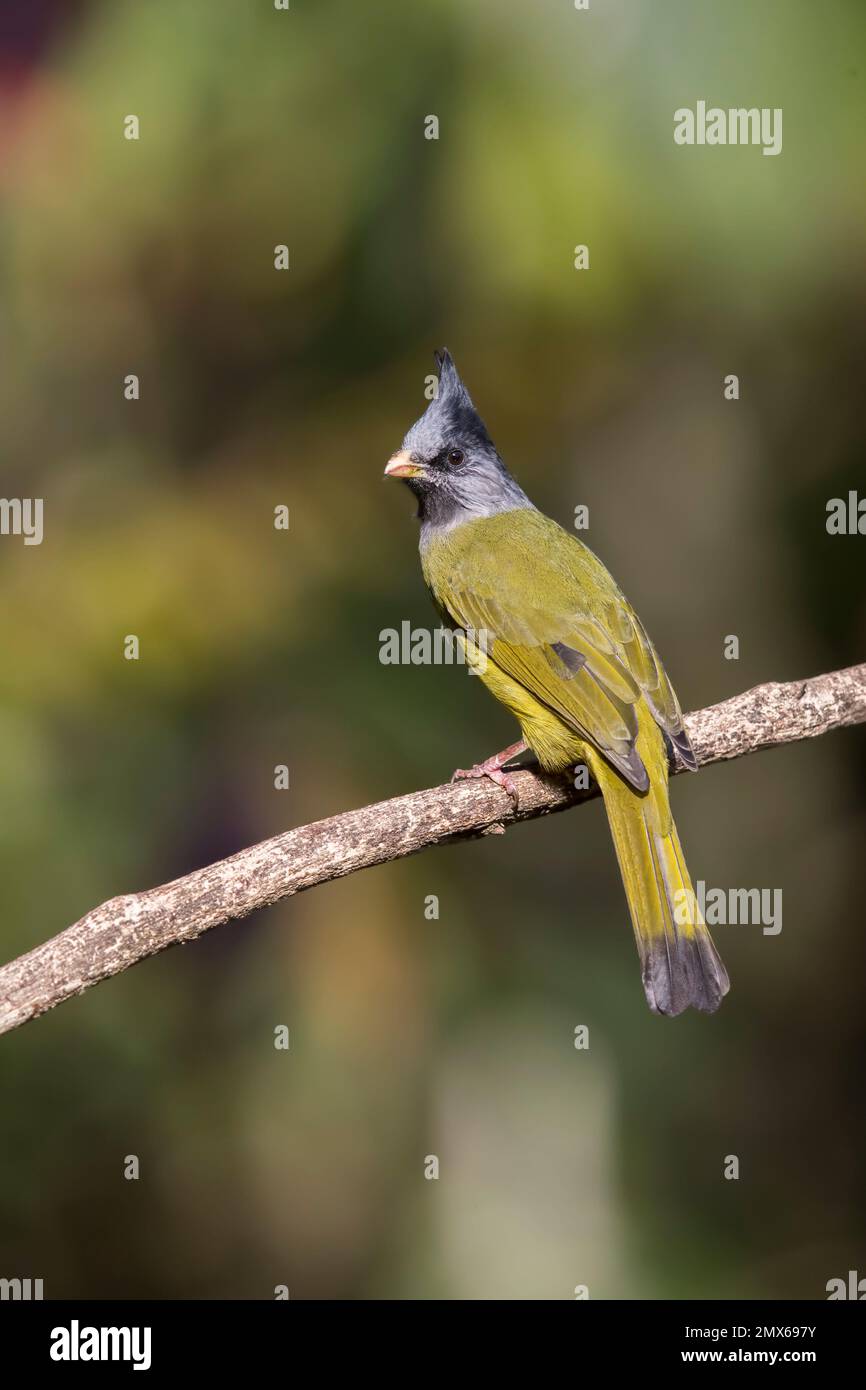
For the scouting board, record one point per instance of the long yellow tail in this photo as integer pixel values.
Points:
(680, 966)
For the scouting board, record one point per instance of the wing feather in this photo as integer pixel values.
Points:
(582, 652)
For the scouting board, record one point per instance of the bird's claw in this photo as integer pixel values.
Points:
(495, 774)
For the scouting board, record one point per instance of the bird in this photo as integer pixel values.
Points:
(548, 630)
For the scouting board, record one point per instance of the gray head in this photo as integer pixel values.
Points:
(449, 460)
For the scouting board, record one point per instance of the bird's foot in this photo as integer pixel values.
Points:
(492, 769)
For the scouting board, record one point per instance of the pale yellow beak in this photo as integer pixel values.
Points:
(402, 465)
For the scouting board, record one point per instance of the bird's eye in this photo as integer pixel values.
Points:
(455, 456)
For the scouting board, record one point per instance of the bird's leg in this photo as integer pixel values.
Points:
(492, 768)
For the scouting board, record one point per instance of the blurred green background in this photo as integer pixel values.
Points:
(412, 1037)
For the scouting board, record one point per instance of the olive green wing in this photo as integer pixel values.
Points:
(643, 661)
(548, 655)
(551, 617)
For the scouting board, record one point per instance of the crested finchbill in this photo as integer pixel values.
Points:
(569, 657)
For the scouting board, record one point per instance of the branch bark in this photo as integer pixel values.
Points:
(128, 929)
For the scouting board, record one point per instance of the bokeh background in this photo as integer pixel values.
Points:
(412, 1037)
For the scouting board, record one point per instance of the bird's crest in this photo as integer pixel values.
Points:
(450, 384)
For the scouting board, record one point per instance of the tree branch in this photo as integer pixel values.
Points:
(127, 929)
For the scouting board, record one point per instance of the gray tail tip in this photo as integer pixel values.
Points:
(685, 974)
